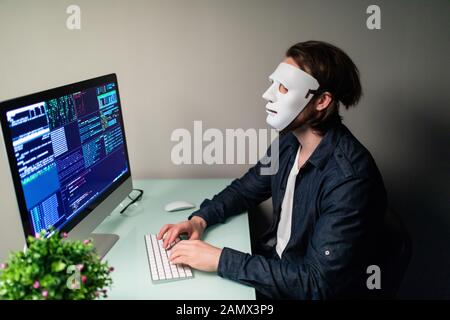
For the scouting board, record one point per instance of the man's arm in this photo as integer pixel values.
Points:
(243, 193)
(331, 253)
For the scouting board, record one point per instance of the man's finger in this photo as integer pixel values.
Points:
(194, 236)
(171, 237)
(187, 242)
(179, 245)
(167, 237)
(177, 253)
(179, 260)
(164, 230)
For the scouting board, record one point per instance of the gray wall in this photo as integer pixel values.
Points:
(180, 61)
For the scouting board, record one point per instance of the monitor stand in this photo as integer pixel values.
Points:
(103, 242)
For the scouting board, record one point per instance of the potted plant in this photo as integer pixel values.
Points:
(55, 268)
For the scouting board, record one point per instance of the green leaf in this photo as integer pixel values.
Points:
(58, 266)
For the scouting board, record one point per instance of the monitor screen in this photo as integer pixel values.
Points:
(67, 151)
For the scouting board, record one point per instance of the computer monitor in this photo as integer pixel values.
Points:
(68, 157)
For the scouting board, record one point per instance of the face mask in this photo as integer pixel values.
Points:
(283, 108)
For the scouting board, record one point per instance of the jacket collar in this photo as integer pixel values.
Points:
(325, 148)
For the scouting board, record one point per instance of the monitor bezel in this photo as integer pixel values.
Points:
(46, 95)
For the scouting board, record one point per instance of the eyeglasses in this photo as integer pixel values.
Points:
(134, 196)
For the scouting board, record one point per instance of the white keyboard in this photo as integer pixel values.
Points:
(160, 266)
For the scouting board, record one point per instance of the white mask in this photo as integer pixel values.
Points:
(283, 108)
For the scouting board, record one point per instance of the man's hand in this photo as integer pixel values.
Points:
(196, 254)
(194, 229)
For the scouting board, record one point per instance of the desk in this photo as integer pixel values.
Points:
(131, 277)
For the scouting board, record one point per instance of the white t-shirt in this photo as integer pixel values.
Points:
(284, 225)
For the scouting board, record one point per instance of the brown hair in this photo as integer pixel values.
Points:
(336, 74)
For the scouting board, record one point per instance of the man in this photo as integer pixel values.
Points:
(328, 195)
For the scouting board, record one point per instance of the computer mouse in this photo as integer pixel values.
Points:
(178, 205)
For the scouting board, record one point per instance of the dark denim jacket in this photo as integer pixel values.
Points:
(338, 211)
